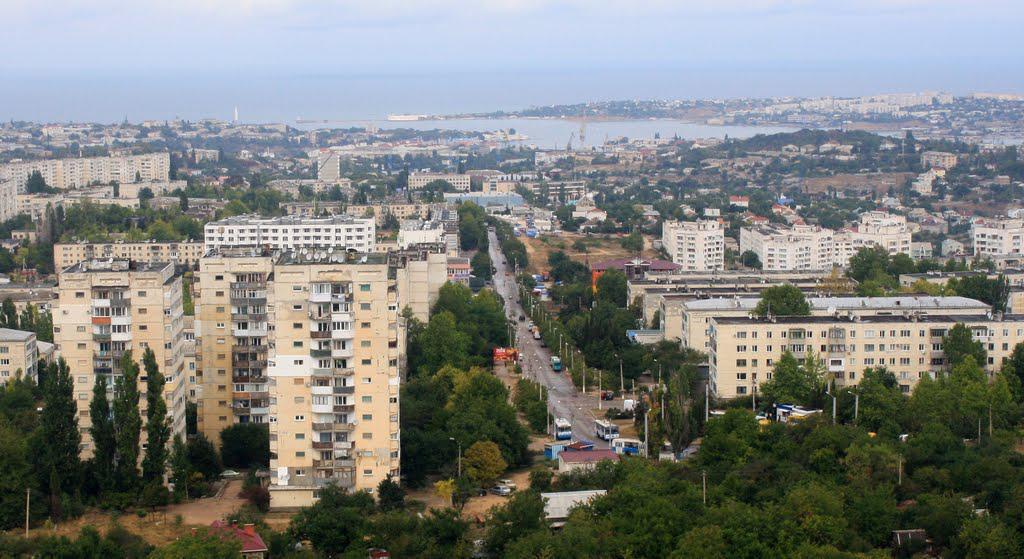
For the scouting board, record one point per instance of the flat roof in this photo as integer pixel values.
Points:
(327, 256)
(11, 335)
(914, 302)
(870, 319)
(254, 219)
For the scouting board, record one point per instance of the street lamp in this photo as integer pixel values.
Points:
(460, 453)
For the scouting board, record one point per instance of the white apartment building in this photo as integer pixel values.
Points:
(802, 247)
(997, 237)
(292, 232)
(882, 229)
(8, 199)
(81, 172)
(415, 231)
(459, 181)
(940, 159)
(328, 165)
(697, 246)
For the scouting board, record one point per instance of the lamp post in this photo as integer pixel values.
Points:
(460, 453)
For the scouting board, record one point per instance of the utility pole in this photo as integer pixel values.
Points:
(833, 410)
(704, 485)
(600, 393)
(28, 500)
(584, 379)
(707, 401)
(856, 405)
(899, 469)
(622, 382)
(663, 409)
(647, 446)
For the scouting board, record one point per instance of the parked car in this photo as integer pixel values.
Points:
(501, 490)
(508, 483)
(522, 318)
(229, 473)
(607, 395)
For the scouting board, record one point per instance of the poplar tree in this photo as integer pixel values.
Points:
(59, 438)
(127, 422)
(158, 430)
(102, 431)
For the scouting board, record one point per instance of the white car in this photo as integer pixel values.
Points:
(501, 490)
(508, 483)
(229, 474)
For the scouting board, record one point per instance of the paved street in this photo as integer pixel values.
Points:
(563, 398)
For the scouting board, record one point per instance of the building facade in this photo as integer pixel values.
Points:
(185, 253)
(291, 232)
(460, 182)
(997, 237)
(800, 248)
(18, 355)
(107, 308)
(68, 174)
(697, 246)
(743, 350)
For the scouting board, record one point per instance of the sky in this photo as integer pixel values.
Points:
(714, 48)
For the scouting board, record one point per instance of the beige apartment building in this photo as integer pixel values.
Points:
(106, 308)
(234, 339)
(334, 376)
(744, 349)
(694, 319)
(460, 182)
(68, 174)
(18, 355)
(185, 253)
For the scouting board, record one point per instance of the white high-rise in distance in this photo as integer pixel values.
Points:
(236, 115)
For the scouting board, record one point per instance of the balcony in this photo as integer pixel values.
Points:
(249, 332)
(326, 445)
(319, 353)
(315, 297)
(243, 364)
(322, 408)
(321, 372)
(256, 285)
(320, 334)
(262, 410)
(343, 334)
(249, 317)
(101, 320)
(321, 390)
(344, 389)
(101, 336)
(320, 427)
(347, 408)
(346, 353)
(342, 445)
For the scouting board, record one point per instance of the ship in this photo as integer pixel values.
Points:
(406, 118)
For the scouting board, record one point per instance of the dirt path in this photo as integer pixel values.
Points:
(205, 511)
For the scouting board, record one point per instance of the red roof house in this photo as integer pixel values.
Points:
(252, 544)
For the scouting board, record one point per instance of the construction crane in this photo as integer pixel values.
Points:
(583, 133)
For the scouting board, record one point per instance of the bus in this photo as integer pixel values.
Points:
(627, 446)
(606, 430)
(563, 429)
(556, 363)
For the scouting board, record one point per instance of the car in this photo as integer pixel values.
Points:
(522, 318)
(229, 473)
(607, 395)
(507, 483)
(501, 490)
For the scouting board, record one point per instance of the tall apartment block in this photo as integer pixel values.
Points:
(234, 315)
(334, 375)
(697, 246)
(106, 308)
(75, 173)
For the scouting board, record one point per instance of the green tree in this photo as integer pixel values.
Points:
(334, 522)
(102, 431)
(158, 428)
(985, 537)
(791, 382)
(36, 184)
(390, 495)
(245, 445)
(521, 515)
(18, 475)
(611, 287)
(180, 468)
(880, 401)
(8, 315)
(58, 435)
(443, 343)
(481, 263)
(959, 343)
(483, 463)
(750, 259)
(202, 457)
(782, 300)
(127, 422)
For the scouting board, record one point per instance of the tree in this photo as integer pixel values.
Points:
(390, 495)
(127, 422)
(792, 383)
(18, 475)
(8, 315)
(158, 429)
(102, 431)
(245, 445)
(783, 300)
(611, 287)
(750, 259)
(484, 463)
(443, 343)
(36, 184)
(481, 263)
(521, 515)
(334, 522)
(202, 457)
(58, 435)
(986, 536)
(959, 342)
(180, 468)
(1013, 369)
(880, 401)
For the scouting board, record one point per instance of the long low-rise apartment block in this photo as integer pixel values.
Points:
(67, 174)
(744, 349)
(460, 182)
(185, 253)
(290, 232)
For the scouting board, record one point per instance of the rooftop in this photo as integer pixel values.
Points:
(115, 265)
(9, 335)
(255, 219)
(846, 303)
(247, 535)
(871, 319)
(587, 456)
(331, 256)
(622, 263)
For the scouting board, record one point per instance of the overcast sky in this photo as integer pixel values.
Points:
(388, 36)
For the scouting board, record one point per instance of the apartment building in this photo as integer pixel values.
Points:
(460, 182)
(697, 246)
(186, 253)
(694, 324)
(328, 165)
(67, 174)
(801, 247)
(338, 232)
(334, 376)
(415, 231)
(106, 308)
(744, 349)
(873, 229)
(8, 199)
(997, 236)
(938, 159)
(18, 355)
(234, 340)
(560, 191)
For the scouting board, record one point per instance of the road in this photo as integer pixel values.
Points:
(563, 398)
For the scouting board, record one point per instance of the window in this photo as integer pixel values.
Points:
(365, 343)
(142, 293)
(364, 287)
(297, 343)
(300, 436)
(300, 418)
(367, 417)
(218, 277)
(297, 325)
(741, 362)
(367, 399)
(364, 306)
(366, 362)
(367, 435)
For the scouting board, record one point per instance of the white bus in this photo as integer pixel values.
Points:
(606, 430)
(628, 446)
(563, 429)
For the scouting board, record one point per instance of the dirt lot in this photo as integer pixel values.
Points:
(878, 182)
(599, 249)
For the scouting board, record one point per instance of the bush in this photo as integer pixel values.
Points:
(257, 496)
(154, 495)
